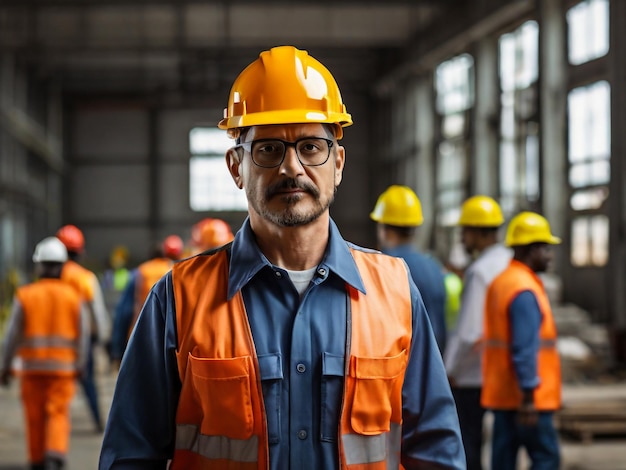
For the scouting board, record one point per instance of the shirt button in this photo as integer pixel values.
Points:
(301, 368)
(302, 434)
(321, 272)
(278, 274)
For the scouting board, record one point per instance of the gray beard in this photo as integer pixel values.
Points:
(290, 217)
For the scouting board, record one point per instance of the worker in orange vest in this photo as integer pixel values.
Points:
(87, 284)
(49, 330)
(521, 368)
(208, 234)
(289, 347)
(141, 281)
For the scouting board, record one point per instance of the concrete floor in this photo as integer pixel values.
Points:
(601, 454)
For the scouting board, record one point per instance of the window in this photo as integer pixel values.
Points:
(590, 240)
(454, 86)
(589, 151)
(519, 127)
(588, 31)
(211, 187)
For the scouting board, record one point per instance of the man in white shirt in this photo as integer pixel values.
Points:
(480, 220)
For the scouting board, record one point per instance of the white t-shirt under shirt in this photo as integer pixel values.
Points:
(301, 279)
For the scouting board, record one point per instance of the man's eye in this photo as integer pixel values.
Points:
(269, 148)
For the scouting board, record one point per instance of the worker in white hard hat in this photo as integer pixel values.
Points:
(49, 330)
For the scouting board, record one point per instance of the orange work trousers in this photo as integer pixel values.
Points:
(46, 400)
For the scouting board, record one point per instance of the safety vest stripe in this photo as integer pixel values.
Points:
(48, 342)
(497, 343)
(188, 437)
(49, 365)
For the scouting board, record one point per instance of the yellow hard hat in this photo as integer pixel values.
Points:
(398, 206)
(481, 211)
(284, 85)
(528, 227)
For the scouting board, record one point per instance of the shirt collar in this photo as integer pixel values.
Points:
(246, 259)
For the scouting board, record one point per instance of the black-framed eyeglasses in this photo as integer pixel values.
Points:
(270, 153)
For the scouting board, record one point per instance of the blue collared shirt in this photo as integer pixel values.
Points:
(300, 343)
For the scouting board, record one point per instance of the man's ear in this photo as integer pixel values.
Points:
(340, 160)
(233, 162)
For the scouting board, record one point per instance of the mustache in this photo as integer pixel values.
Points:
(291, 183)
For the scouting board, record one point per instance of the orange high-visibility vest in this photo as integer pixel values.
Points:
(501, 389)
(80, 278)
(51, 335)
(220, 373)
(148, 273)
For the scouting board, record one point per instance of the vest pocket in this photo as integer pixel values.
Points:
(331, 393)
(271, 382)
(222, 388)
(377, 392)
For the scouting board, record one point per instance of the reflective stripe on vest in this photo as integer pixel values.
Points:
(47, 365)
(360, 449)
(188, 437)
(48, 342)
(496, 343)
(221, 361)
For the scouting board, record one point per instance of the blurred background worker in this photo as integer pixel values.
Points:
(210, 233)
(88, 286)
(522, 372)
(115, 278)
(480, 221)
(49, 331)
(398, 212)
(141, 281)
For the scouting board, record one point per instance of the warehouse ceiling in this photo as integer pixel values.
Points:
(190, 47)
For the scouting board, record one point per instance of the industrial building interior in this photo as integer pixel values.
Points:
(109, 111)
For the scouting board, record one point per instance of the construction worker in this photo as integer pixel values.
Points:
(49, 330)
(480, 221)
(141, 281)
(522, 375)
(398, 212)
(210, 233)
(87, 284)
(288, 348)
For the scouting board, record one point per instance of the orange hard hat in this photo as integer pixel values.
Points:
(211, 233)
(72, 238)
(173, 246)
(284, 85)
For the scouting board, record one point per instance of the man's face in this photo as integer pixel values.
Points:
(469, 236)
(290, 194)
(540, 257)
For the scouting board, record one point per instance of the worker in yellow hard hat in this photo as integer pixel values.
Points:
(522, 372)
(480, 221)
(288, 347)
(398, 213)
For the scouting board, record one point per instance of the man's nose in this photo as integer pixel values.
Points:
(291, 164)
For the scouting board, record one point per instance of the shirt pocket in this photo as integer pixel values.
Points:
(271, 382)
(222, 387)
(377, 392)
(331, 393)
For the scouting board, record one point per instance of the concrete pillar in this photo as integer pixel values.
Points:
(553, 108)
(484, 159)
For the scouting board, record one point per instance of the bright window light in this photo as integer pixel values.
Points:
(211, 187)
(588, 31)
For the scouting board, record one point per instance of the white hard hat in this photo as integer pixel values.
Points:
(51, 250)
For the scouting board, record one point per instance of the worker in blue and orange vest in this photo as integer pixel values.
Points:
(136, 291)
(521, 368)
(398, 213)
(87, 284)
(289, 347)
(49, 330)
